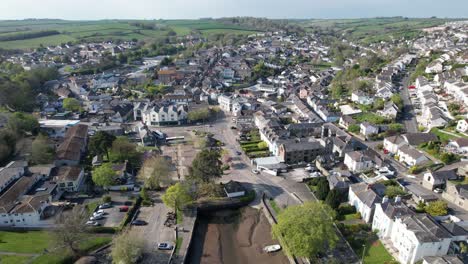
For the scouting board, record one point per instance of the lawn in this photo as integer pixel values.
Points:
(35, 242)
(443, 136)
(24, 241)
(376, 253)
(10, 259)
(63, 256)
(359, 235)
(370, 117)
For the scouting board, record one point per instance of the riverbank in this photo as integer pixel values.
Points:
(232, 237)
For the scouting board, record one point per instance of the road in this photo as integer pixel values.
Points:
(284, 191)
(408, 117)
(155, 232)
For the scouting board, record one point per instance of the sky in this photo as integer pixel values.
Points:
(192, 9)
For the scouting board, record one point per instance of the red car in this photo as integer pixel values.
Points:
(411, 87)
(123, 209)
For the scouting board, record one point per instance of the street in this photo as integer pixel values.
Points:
(408, 117)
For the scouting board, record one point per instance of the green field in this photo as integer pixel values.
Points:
(375, 29)
(88, 31)
(24, 242)
(31, 243)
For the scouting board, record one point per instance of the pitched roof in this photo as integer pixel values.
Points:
(416, 139)
(366, 194)
(425, 228)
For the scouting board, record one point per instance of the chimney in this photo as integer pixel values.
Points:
(385, 199)
(398, 199)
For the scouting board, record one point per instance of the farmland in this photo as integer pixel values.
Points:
(375, 29)
(24, 31)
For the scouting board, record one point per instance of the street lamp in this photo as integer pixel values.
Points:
(363, 252)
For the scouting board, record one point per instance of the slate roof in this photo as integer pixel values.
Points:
(416, 139)
(425, 228)
(443, 260)
(366, 194)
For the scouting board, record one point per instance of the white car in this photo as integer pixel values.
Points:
(438, 190)
(165, 246)
(98, 213)
(92, 223)
(96, 217)
(254, 171)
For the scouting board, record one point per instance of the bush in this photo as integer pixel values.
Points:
(106, 199)
(225, 167)
(346, 209)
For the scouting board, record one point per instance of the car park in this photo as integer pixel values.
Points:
(165, 246)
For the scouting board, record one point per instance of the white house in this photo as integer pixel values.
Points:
(11, 172)
(156, 114)
(393, 143)
(411, 156)
(434, 67)
(390, 111)
(385, 214)
(462, 125)
(417, 236)
(69, 178)
(367, 129)
(361, 98)
(363, 198)
(361, 160)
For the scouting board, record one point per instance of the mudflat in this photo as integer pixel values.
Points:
(234, 237)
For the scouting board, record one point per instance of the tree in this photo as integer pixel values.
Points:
(21, 122)
(437, 208)
(306, 229)
(354, 128)
(127, 248)
(333, 199)
(100, 143)
(448, 158)
(394, 191)
(123, 150)
(322, 189)
(104, 175)
(70, 229)
(42, 152)
(71, 104)
(154, 172)
(262, 145)
(199, 115)
(177, 196)
(7, 144)
(397, 100)
(206, 166)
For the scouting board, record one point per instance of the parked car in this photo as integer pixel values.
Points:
(123, 209)
(165, 246)
(438, 190)
(254, 171)
(233, 127)
(105, 206)
(138, 222)
(238, 153)
(92, 223)
(96, 217)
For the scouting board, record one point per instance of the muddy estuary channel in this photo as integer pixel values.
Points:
(233, 237)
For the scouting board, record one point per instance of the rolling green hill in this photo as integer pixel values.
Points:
(25, 32)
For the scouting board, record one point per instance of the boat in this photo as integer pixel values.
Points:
(272, 248)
